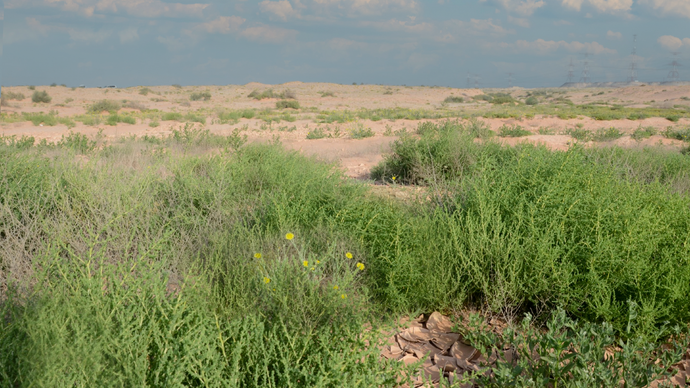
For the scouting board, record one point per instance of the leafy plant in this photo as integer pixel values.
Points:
(359, 131)
(104, 106)
(285, 104)
(643, 133)
(513, 131)
(454, 99)
(197, 96)
(531, 101)
(41, 97)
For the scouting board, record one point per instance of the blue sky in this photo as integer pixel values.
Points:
(412, 42)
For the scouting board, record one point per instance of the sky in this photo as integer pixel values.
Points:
(487, 43)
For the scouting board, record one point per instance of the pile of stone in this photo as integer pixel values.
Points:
(444, 354)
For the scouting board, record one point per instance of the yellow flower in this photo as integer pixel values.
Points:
(289, 236)
(335, 287)
(348, 255)
(305, 263)
(343, 296)
(360, 266)
(257, 255)
(394, 178)
(318, 262)
(267, 280)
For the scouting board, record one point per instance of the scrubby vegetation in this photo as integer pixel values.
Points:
(252, 266)
(41, 97)
(104, 106)
(198, 96)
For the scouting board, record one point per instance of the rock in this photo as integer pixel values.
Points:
(463, 351)
(445, 363)
(445, 341)
(409, 359)
(439, 323)
(415, 334)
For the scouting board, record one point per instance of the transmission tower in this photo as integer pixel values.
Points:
(674, 75)
(571, 71)
(585, 69)
(633, 61)
(510, 79)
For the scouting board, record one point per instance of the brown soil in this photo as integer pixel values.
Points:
(357, 157)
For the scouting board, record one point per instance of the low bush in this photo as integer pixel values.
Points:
(287, 104)
(104, 106)
(677, 133)
(513, 131)
(198, 96)
(171, 116)
(606, 134)
(359, 131)
(145, 91)
(13, 96)
(643, 133)
(531, 101)
(41, 97)
(316, 133)
(454, 100)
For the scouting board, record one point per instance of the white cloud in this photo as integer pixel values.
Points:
(138, 8)
(268, 34)
(367, 7)
(672, 43)
(281, 9)
(670, 7)
(621, 7)
(129, 35)
(519, 21)
(75, 34)
(222, 25)
(520, 7)
(543, 47)
(614, 35)
(394, 25)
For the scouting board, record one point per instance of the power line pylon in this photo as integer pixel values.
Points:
(633, 61)
(673, 74)
(571, 71)
(585, 69)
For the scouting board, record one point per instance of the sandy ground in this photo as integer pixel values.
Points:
(356, 156)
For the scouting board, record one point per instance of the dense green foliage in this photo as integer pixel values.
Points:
(149, 262)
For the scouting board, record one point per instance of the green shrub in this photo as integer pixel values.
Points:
(50, 119)
(316, 133)
(327, 94)
(13, 96)
(606, 134)
(22, 143)
(177, 86)
(501, 98)
(191, 117)
(579, 134)
(77, 142)
(154, 123)
(284, 104)
(41, 97)
(454, 99)
(205, 95)
(482, 97)
(677, 133)
(104, 106)
(172, 116)
(673, 118)
(145, 91)
(513, 131)
(360, 132)
(643, 133)
(531, 101)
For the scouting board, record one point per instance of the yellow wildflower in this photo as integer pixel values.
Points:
(289, 236)
(335, 287)
(267, 280)
(394, 179)
(318, 262)
(343, 296)
(360, 266)
(348, 255)
(305, 263)
(257, 255)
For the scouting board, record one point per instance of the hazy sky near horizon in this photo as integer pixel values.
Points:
(412, 42)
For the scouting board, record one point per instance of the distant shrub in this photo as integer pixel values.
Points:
(284, 104)
(205, 95)
(41, 97)
(677, 133)
(482, 97)
(606, 134)
(154, 123)
(673, 118)
(177, 86)
(172, 116)
(327, 94)
(454, 99)
(13, 96)
(316, 133)
(32, 87)
(532, 101)
(145, 91)
(53, 85)
(360, 132)
(513, 131)
(269, 93)
(77, 142)
(134, 105)
(502, 98)
(643, 133)
(104, 106)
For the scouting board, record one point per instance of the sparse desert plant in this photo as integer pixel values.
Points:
(531, 101)
(77, 142)
(483, 97)
(453, 100)
(643, 133)
(104, 106)
(3, 102)
(677, 133)
(197, 96)
(134, 105)
(316, 133)
(144, 91)
(31, 87)
(501, 98)
(41, 97)
(285, 104)
(512, 131)
(154, 123)
(68, 100)
(177, 86)
(327, 94)
(53, 85)
(673, 118)
(606, 134)
(579, 133)
(172, 116)
(546, 131)
(13, 96)
(359, 131)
